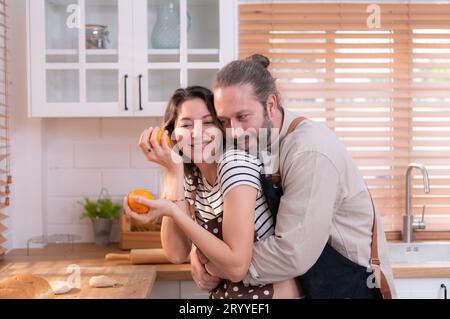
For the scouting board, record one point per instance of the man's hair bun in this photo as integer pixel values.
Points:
(259, 58)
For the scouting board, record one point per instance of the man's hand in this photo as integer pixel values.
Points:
(201, 277)
(201, 257)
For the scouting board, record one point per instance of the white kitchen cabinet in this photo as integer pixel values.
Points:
(189, 290)
(421, 288)
(186, 289)
(165, 290)
(407, 288)
(154, 47)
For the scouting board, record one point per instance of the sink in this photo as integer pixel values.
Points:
(420, 253)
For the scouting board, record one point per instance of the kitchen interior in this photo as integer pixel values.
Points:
(81, 79)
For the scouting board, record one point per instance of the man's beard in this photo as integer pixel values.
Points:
(265, 132)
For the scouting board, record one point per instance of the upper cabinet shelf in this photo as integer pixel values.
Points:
(106, 58)
(150, 51)
(88, 52)
(189, 51)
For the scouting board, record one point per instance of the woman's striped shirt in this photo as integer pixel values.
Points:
(235, 168)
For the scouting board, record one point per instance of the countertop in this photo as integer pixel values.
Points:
(90, 253)
(86, 252)
(421, 270)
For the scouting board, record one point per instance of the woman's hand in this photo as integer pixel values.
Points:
(161, 154)
(158, 208)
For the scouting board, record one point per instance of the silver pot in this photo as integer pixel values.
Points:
(97, 36)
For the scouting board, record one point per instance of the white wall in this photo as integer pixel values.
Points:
(55, 162)
(83, 155)
(26, 160)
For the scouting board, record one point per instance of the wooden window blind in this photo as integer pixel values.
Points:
(384, 91)
(5, 177)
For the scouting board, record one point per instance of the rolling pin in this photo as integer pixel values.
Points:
(141, 256)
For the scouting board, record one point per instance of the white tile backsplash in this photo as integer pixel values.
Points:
(62, 156)
(138, 159)
(120, 183)
(85, 231)
(73, 182)
(85, 155)
(70, 130)
(102, 154)
(127, 128)
(60, 210)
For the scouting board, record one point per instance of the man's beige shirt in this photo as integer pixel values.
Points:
(325, 200)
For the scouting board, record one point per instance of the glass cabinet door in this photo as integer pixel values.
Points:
(203, 42)
(101, 44)
(62, 52)
(163, 30)
(86, 55)
(157, 58)
(177, 43)
(203, 77)
(203, 34)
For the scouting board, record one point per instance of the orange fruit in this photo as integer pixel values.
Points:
(159, 136)
(138, 207)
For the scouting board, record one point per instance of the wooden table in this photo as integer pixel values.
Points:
(133, 281)
(169, 272)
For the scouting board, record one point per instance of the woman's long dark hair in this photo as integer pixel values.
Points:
(176, 100)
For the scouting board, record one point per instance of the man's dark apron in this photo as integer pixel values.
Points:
(333, 276)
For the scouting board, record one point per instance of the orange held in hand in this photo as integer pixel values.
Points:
(159, 136)
(134, 205)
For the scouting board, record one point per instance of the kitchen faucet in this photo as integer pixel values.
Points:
(409, 224)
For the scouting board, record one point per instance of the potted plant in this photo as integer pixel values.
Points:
(102, 212)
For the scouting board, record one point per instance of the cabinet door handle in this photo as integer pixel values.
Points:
(140, 92)
(445, 290)
(125, 91)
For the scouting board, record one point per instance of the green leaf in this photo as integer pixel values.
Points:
(101, 208)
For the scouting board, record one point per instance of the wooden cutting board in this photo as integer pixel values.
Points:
(134, 282)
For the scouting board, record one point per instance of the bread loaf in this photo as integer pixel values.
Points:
(25, 286)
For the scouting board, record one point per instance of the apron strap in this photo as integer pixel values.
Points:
(276, 177)
(375, 260)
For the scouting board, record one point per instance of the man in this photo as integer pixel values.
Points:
(325, 222)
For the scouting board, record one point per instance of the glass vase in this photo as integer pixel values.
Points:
(166, 31)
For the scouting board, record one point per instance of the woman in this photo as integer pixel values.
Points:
(222, 192)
